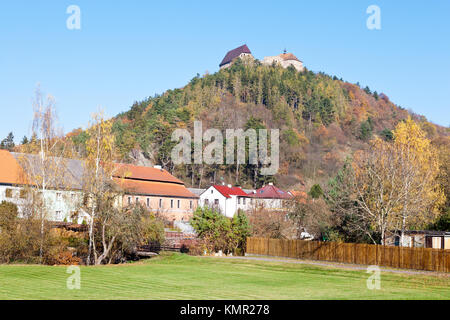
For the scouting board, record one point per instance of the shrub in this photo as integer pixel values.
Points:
(219, 232)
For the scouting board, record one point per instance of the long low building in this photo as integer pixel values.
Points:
(154, 188)
(63, 196)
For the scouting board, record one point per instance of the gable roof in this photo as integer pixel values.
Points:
(70, 171)
(10, 170)
(149, 181)
(227, 192)
(128, 171)
(154, 188)
(288, 56)
(233, 54)
(270, 192)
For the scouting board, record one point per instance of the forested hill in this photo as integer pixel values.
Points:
(322, 120)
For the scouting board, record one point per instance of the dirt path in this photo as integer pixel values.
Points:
(333, 265)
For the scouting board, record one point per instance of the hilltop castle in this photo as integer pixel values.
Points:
(243, 52)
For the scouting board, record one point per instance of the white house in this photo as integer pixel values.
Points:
(227, 199)
(62, 204)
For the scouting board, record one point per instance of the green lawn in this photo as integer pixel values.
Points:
(176, 276)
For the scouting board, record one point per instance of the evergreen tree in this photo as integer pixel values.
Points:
(24, 140)
(8, 142)
(316, 191)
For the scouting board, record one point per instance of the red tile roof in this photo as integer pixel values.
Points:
(288, 56)
(129, 171)
(228, 192)
(154, 188)
(150, 181)
(270, 192)
(233, 54)
(10, 170)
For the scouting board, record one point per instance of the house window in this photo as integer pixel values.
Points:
(216, 202)
(58, 214)
(206, 202)
(160, 203)
(190, 204)
(129, 200)
(212, 191)
(178, 204)
(148, 202)
(171, 203)
(437, 242)
(243, 201)
(239, 200)
(58, 196)
(23, 194)
(8, 193)
(73, 196)
(137, 200)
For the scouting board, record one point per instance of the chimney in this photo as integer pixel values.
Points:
(158, 167)
(270, 184)
(229, 186)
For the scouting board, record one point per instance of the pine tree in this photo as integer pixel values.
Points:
(8, 143)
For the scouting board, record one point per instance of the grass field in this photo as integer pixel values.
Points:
(176, 276)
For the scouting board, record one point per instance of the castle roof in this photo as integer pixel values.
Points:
(289, 56)
(233, 54)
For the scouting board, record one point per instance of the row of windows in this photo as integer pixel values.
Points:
(160, 203)
(23, 194)
(216, 201)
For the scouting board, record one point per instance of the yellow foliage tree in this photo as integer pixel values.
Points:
(396, 183)
(419, 166)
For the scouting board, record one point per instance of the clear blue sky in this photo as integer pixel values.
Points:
(128, 50)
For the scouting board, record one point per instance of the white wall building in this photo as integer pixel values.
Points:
(227, 199)
(271, 198)
(62, 204)
(285, 60)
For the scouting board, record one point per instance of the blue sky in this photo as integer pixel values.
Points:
(128, 50)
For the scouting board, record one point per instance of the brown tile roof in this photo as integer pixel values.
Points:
(129, 171)
(233, 54)
(10, 170)
(154, 188)
(288, 56)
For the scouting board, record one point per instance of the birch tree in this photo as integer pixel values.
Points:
(99, 168)
(44, 168)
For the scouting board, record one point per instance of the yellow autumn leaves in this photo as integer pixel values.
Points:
(397, 181)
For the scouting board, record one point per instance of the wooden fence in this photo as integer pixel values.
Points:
(368, 254)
